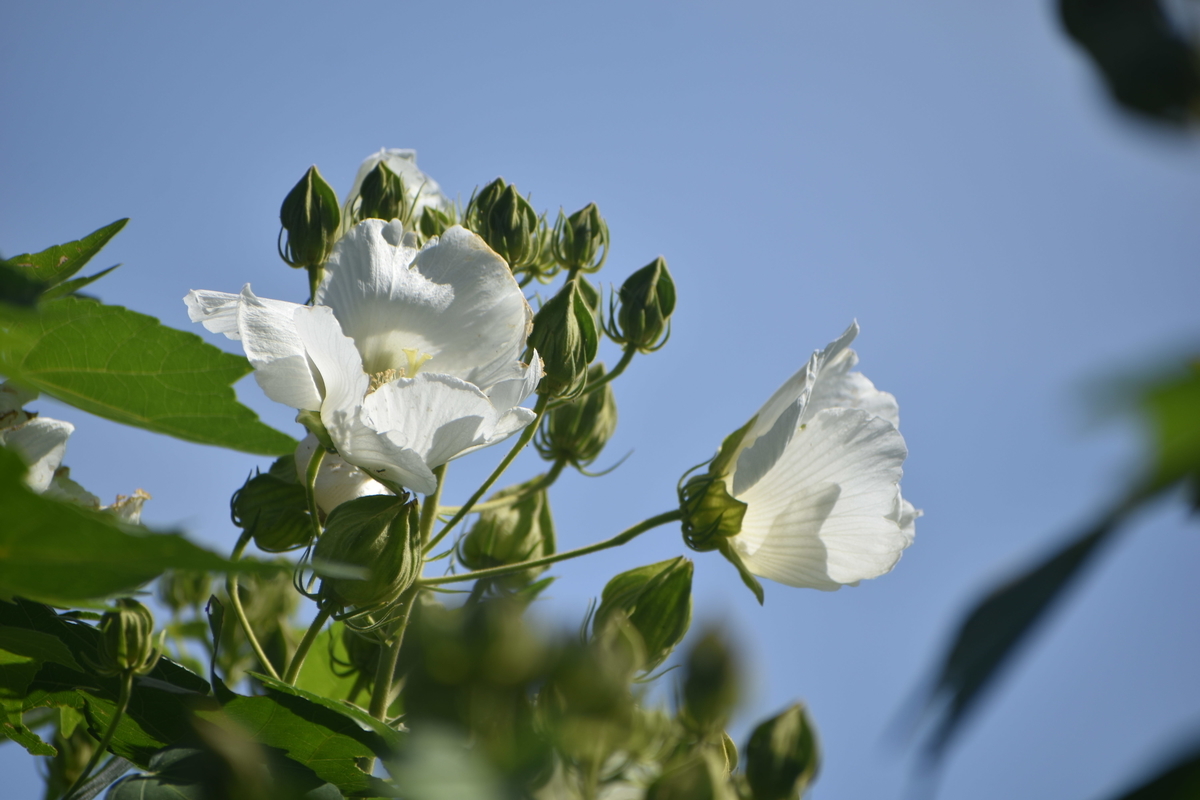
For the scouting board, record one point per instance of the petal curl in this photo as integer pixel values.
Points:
(41, 442)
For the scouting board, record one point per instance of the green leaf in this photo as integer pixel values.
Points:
(132, 369)
(318, 674)
(388, 734)
(57, 551)
(991, 632)
(54, 265)
(1180, 781)
(75, 284)
(12, 727)
(16, 288)
(37, 645)
(1173, 408)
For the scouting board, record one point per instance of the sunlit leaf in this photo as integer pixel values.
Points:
(54, 265)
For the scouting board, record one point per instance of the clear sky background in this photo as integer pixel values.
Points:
(949, 174)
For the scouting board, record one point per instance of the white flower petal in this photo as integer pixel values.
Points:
(422, 190)
(216, 310)
(379, 454)
(41, 443)
(437, 416)
(509, 393)
(837, 387)
(829, 512)
(338, 481)
(337, 361)
(274, 347)
(129, 509)
(63, 487)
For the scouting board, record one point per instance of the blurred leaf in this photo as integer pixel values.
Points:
(1148, 66)
(318, 676)
(1180, 781)
(1173, 409)
(130, 368)
(57, 551)
(993, 629)
(16, 288)
(54, 265)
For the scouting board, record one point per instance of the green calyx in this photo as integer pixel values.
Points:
(566, 336)
(580, 242)
(127, 643)
(273, 508)
(656, 600)
(646, 303)
(507, 222)
(380, 535)
(577, 431)
(310, 216)
(435, 222)
(710, 684)
(783, 756)
(511, 533)
(383, 196)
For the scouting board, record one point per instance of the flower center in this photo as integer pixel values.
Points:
(416, 360)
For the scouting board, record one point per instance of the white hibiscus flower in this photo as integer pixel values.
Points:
(411, 358)
(816, 475)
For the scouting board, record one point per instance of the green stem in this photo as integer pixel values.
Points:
(310, 489)
(306, 644)
(429, 510)
(621, 538)
(235, 600)
(545, 482)
(314, 280)
(539, 411)
(381, 692)
(626, 357)
(102, 747)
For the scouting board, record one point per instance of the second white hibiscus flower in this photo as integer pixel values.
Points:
(411, 357)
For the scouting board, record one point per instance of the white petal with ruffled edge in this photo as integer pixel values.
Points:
(41, 442)
(829, 512)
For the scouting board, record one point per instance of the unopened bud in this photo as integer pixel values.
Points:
(310, 216)
(647, 300)
(698, 778)
(435, 221)
(273, 508)
(511, 533)
(507, 222)
(577, 431)
(566, 337)
(127, 639)
(783, 756)
(378, 534)
(710, 684)
(580, 241)
(383, 196)
(656, 600)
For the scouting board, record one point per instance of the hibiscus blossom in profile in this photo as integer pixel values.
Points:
(808, 492)
(410, 357)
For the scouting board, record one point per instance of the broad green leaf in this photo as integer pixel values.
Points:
(75, 284)
(54, 265)
(190, 773)
(13, 728)
(57, 551)
(16, 288)
(320, 673)
(16, 673)
(1180, 781)
(389, 735)
(132, 369)
(37, 645)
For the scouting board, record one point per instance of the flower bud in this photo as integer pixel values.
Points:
(273, 508)
(435, 221)
(577, 431)
(127, 639)
(710, 684)
(580, 241)
(656, 600)
(782, 756)
(383, 196)
(565, 336)
(647, 300)
(510, 534)
(310, 216)
(379, 534)
(184, 588)
(698, 778)
(507, 222)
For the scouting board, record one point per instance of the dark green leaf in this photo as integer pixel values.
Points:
(1180, 781)
(57, 551)
(389, 735)
(12, 727)
(320, 675)
(16, 288)
(37, 645)
(75, 284)
(130, 368)
(1173, 408)
(53, 266)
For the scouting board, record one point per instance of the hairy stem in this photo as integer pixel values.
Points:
(621, 538)
(306, 644)
(539, 411)
(235, 600)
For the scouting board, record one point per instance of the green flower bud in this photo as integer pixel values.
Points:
(647, 300)
(381, 535)
(511, 533)
(273, 507)
(127, 639)
(782, 756)
(580, 241)
(698, 778)
(657, 602)
(383, 196)
(507, 222)
(184, 588)
(310, 216)
(710, 684)
(435, 221)
(565, 336)
(577, 431)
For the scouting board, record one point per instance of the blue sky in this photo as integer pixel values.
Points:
(950, 175)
